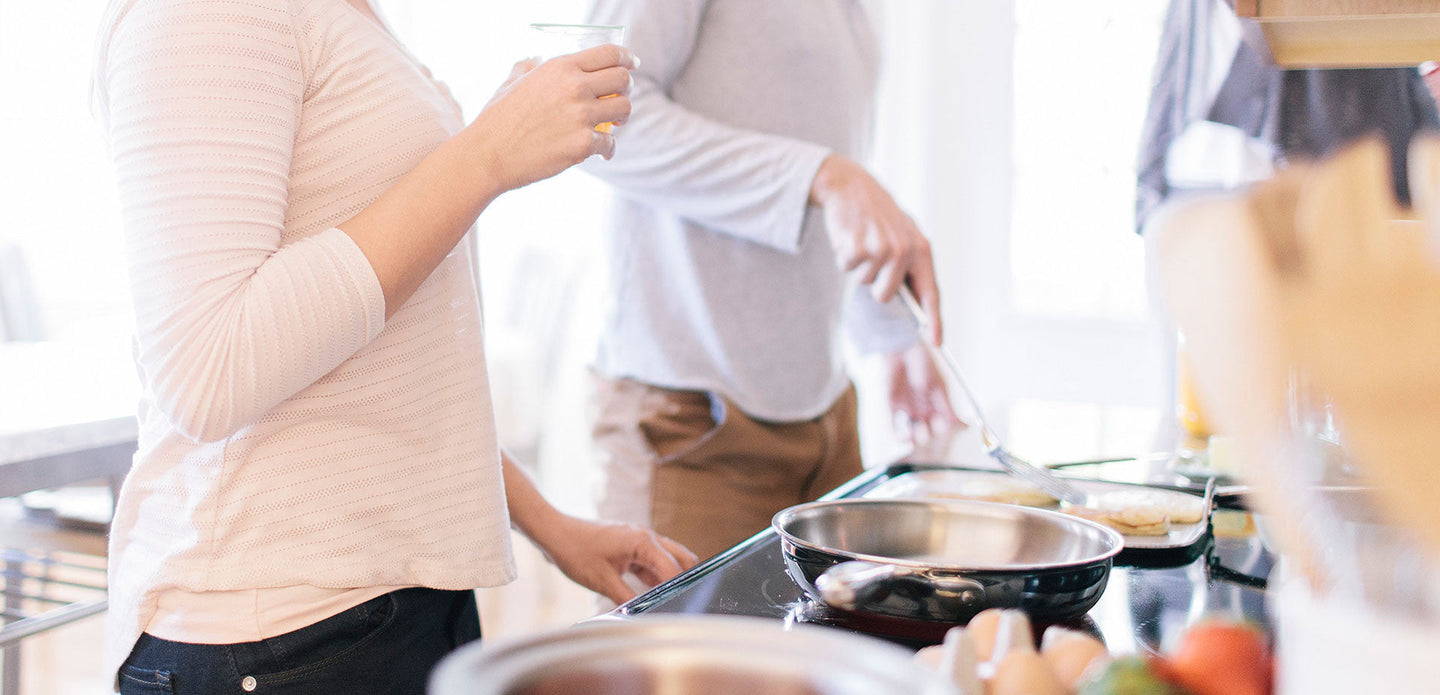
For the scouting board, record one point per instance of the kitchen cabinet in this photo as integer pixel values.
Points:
(1343, 33)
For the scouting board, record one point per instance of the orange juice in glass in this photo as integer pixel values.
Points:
(1187, 401)
(551, 40)
(1195, 428)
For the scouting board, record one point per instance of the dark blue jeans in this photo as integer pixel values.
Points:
(385, 646)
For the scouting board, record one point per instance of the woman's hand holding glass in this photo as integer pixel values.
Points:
(541, 122)
(543, 119)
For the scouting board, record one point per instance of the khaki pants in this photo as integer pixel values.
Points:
(696, 469)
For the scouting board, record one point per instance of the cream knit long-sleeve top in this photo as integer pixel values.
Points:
(289, 435)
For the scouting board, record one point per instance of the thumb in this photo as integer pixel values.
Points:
(926, 290)
(681, 553)
(940, 399)
(611, 586)
(653, 562)
(899, 380)
(519, 70)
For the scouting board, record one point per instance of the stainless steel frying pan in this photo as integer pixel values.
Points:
(946, 560)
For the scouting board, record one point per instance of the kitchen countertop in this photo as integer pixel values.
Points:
(66, 414)
(1150, 598)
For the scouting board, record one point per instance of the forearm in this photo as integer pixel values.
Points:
(593, 554)
(409, 229)
(540, 122)
(530, 513)
(745, 183)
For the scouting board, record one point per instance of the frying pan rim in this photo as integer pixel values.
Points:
(1116, 541)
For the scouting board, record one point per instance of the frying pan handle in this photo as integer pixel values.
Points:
(854, 584)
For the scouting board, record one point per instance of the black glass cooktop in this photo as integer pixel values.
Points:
(1151, 595)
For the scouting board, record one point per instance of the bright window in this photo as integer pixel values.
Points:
(1082, 82)
(1082, 78)
(57, 196)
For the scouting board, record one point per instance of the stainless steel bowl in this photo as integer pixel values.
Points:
(946, 561)
(689, 655)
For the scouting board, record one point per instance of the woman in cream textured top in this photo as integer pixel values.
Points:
(318, 483)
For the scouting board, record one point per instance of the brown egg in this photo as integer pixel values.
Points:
(1070, 653)
(1012, 634)
(1024, 672)
(931, 657)
(982, 629)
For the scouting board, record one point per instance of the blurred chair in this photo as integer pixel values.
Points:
(52, 572)
(50, 576)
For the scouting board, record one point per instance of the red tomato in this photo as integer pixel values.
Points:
(1219, 657)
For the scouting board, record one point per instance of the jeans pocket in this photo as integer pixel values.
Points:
(144, 681)
(331, 643)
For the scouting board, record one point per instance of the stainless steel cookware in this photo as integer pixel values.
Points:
(687, 655)
(946, 560)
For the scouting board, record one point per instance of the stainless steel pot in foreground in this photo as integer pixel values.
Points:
(946, 561)
(690, 655)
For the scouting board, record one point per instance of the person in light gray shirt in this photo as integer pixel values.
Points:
(744, 239)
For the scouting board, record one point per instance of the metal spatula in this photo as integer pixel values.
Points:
(1029, 472)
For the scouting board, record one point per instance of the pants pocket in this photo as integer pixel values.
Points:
(145, 681)
(330, 644)
(682, 422)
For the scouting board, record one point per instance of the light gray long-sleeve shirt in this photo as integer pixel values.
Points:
(722, 276)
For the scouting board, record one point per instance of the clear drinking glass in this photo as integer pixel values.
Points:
(551, 40)
(1366, 613)
(1362, 558)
